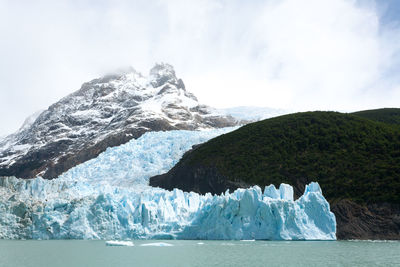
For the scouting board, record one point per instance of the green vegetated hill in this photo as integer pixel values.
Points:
(355, 160)
(387, 115)
(349, 156)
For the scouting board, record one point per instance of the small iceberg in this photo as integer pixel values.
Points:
(158, 244)
(116, 243)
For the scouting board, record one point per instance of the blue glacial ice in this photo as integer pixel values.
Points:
(135, 162)
(108, 198)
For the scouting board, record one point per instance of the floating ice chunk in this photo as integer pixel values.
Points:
(158, 244)
(115, 243)
(286, 191)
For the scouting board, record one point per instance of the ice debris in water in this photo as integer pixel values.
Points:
(158, 244)
(117, 243)
(104, 199)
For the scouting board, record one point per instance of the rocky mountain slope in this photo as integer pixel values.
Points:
(104, 112)
(355, 160)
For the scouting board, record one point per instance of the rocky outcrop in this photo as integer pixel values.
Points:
(374, 221)
(198, 179)
(105, 112)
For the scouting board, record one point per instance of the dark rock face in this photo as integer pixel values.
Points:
(376, 221)
(193, 180)
(105, 112)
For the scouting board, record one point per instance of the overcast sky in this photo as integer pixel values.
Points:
(289, 54)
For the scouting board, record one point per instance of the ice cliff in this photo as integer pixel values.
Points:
(108, 198)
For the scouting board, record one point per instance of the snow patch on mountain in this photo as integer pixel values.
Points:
(30, 120)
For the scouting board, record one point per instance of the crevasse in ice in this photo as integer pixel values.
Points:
(108, 198)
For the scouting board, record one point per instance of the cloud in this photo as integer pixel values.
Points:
(333, 54)
(323, 55)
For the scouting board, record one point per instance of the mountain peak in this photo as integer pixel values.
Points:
(163, 73)
(104, 112)
(161, 69)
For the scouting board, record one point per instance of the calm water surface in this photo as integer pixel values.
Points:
(200, 253)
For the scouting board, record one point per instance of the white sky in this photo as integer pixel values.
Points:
(289, 54)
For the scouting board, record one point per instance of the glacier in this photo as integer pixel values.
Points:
(109, 198)
(135, 162)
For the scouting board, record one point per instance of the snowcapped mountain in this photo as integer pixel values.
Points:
(105, 112)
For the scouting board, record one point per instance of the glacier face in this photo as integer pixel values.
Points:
(108, 198)
(154, 213)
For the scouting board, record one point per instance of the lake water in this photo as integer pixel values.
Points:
(200, 253)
